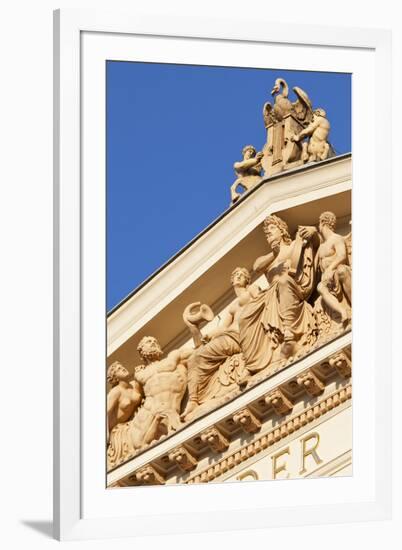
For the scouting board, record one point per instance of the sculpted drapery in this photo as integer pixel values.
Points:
(279, 322)
(210, 374)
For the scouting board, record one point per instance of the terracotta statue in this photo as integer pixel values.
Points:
(279, 323)
(208, 366)
(317, 148)
(248, 171)
(122, 402)
(164, 382)
(335, 287)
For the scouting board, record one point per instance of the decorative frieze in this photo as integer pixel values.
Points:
(274, 436)
(279, 401)
(247, 421)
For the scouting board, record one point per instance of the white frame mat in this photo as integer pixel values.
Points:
(83, 508)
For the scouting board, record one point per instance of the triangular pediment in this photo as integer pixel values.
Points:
(201, 273)
(234, 239)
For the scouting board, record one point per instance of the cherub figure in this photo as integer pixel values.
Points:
(317, 148)
(281, 313)
(248, 171)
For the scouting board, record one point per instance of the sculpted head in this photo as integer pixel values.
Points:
(276, 229)
(249, 152)
(327, 219)
(320, 112)
(149, 349)
(116, 372)
(240, 277)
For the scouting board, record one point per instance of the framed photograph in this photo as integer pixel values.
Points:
(204, 199)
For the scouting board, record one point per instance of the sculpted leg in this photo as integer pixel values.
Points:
(192, 386)
(290, 304)
(305, 153)
(325, 151)
(203, 367)
(332, 301)
(145, 428)
(346, 281)
(233, 193)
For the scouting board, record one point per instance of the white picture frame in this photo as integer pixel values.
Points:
(83, 40)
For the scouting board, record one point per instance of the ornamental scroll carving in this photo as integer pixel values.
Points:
(307, 302)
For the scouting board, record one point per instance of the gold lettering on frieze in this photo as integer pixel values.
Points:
(276, 469)
(307, 450)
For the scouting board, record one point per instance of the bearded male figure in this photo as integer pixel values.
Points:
(164, 383)
(279, 322)
(204, 380)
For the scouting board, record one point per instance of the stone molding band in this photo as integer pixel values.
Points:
(274, 436)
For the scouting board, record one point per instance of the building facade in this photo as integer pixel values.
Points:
(234, 362)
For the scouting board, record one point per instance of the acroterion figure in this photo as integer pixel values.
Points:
(248, 171)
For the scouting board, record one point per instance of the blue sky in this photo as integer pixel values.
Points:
(173, 134)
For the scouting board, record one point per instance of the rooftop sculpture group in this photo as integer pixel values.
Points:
(307, 302)
(296, 134)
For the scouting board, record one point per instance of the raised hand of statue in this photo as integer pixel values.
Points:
(276, 247)
(307, 232)
(195, 314)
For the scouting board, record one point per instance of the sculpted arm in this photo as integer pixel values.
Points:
(136, 386)
(142, 375)
(340, 254)
(254, 291)
(111, 405)
(263, 262)
(249, 163)
(310, 233)
(175, 357)
(112, 400)
(226, 322)
(307, 131)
